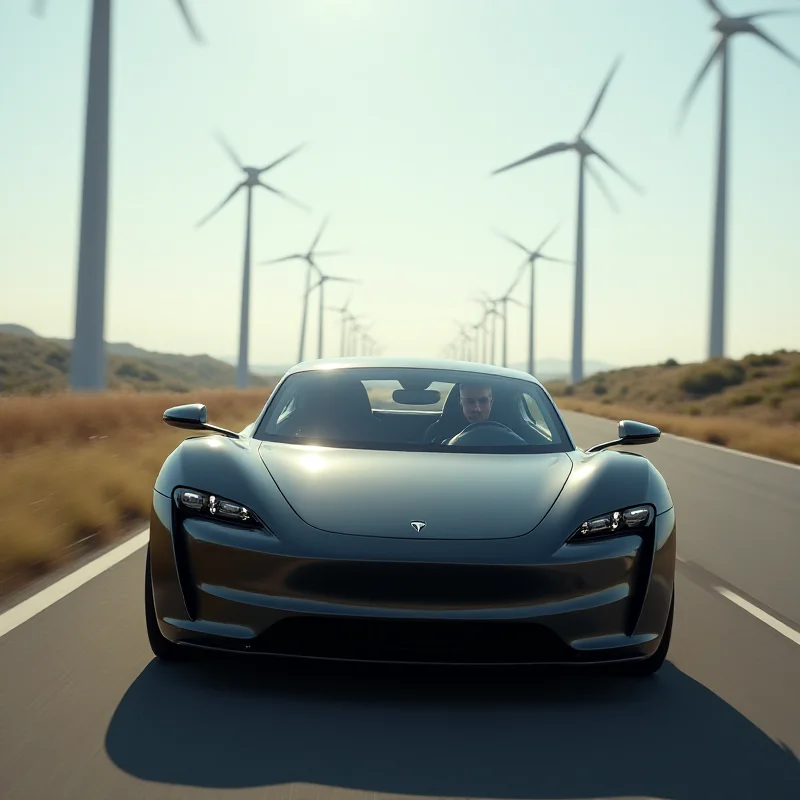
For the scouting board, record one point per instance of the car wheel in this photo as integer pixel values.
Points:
(653, 663)
(162, 648)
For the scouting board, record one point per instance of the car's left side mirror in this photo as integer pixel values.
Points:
(630, 432)
(193, 417)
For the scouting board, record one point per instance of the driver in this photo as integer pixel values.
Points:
(476, 401)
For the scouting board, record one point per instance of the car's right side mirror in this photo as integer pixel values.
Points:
(630, 432)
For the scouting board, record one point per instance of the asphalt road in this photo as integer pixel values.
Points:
(85, 712)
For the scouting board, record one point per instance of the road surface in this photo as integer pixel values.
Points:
(85, 712)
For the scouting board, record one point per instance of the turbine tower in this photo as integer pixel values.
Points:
(585, 151)
(312, 266)
(532, 257)
(252, 180)
(87, 367)
(727, 27)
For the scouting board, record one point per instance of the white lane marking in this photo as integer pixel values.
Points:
(718, 447)
(789, 633)
(23, 611)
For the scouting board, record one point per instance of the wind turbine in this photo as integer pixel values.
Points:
(87, 370)
(312, 266)
(504, 301)
(490, 310)
(727, 27)
(466, 341)
(532, 257)
(252, 180)
(344, 316)
(585, 151)
(320, 284)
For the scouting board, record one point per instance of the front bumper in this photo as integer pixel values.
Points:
(226, 589)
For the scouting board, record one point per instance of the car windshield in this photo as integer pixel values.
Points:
(406, 408)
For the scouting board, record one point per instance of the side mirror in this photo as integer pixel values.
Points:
(630, 432)
(193, 417)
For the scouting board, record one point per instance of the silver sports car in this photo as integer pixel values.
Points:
(410, 511)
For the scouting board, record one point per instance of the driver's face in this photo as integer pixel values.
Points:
(476, 402)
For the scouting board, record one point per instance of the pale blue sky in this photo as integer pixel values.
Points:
(407, 106)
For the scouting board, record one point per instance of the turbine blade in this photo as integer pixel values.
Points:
(208, 216)
(319, 235)
(603, 187)
(771, 13)
(516, 302)
(514, 242)
(331, 253)
(695, 85)
(556, 260)
(779, 47)
(632, 183)
(601, 94)
(713, 5)
(548, 237)
(187, 17)
(285, 196)
(285, 258)
(558, 147)
(282, 158)
(343, 280)
(225, 144)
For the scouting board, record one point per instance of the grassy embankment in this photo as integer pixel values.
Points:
(752, 404)
(78, 472)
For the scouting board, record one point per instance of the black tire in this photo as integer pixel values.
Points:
(162, 648)
(652, 664)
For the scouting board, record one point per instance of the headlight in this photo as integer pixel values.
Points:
(212, 506)
(615, 523)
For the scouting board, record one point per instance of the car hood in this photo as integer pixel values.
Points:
(380, 493)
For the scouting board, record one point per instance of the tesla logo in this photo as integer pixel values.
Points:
(417, 526)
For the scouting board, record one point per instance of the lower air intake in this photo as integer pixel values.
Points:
(417, 641)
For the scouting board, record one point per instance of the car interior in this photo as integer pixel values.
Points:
(343, 411)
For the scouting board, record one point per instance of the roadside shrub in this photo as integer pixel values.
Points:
(763, 360)
(711, 378)
(749, 399)
(671, 362)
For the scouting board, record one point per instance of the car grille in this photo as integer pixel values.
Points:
(417, 641)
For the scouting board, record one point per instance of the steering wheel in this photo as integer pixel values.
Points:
(486, 432)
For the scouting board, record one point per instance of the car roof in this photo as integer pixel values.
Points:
(411, 363)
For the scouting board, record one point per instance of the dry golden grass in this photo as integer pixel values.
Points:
(78, 471)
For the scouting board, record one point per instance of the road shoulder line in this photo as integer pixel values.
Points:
(758, 613)
(22, 612)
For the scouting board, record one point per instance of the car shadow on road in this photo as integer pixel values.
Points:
(448, 732)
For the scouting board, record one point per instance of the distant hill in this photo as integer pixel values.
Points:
(762, 387)
(550, 369)
(273, 370)
(33, 364)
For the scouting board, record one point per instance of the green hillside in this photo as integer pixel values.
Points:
(31, 364)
